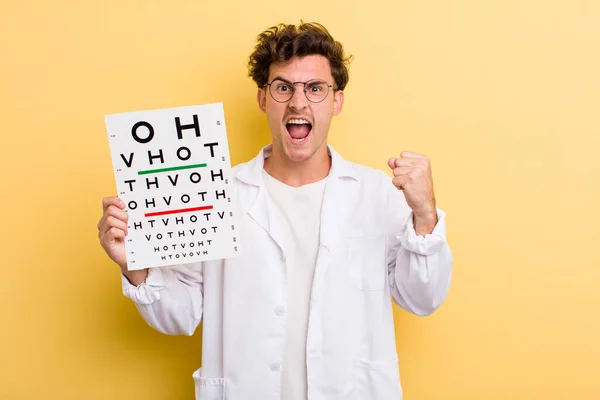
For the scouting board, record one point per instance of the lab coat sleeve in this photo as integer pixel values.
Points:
(171, 298)
(419, 267)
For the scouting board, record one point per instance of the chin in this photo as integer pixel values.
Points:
(297, 154)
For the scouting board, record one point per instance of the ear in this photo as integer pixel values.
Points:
(261, 98)
(338, 102)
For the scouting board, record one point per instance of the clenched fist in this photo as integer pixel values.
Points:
(412, 175)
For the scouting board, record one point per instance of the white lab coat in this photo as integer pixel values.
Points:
(368, 254)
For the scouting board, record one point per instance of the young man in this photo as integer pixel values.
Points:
(305, 312)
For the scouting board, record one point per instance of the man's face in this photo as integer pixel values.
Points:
(299, 126)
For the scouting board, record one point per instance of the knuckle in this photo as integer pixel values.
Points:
(117, 213)
(114, 218)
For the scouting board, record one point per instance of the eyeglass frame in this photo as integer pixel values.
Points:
(293, 85)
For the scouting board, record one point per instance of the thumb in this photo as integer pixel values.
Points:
(392, 163)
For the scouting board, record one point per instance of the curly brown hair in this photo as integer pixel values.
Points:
(283, 42)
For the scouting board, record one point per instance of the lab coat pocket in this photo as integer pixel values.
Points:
(374, 380)
(368, 262)
(208, 388)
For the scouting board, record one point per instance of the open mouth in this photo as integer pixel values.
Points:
(298, 129)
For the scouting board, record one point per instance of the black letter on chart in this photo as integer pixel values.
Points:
(187, 151)
(149, 182)
(211, 145)
(193, 125)
(160, 156)
(150, 132)
(130, 183)
(213, 175)
(129, 161)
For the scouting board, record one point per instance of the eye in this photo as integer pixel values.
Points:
(316, 87)
(283, 88)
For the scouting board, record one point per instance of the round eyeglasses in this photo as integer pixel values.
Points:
(315, 90)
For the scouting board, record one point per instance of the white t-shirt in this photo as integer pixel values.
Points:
(299, 211)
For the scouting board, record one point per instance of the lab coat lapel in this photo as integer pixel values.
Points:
(260, 212)
(335, 202)
(339, 190)
(251, 174)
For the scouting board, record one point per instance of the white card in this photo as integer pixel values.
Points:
(173, 171)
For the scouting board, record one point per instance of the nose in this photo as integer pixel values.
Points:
(298, 100)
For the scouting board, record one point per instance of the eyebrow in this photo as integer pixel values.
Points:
(281, 78)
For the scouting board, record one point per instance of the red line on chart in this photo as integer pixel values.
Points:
(181, 210)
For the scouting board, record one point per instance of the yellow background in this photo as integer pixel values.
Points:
(503, 96)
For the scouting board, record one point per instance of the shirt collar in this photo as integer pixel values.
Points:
(251, 172)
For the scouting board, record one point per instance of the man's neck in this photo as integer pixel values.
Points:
(299, 173)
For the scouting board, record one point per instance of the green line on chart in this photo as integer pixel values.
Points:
(154, 171)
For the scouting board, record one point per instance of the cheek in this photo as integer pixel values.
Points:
(324, 116)
(274, 114)
(275, 121)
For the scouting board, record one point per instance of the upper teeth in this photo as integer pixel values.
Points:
(298, 121)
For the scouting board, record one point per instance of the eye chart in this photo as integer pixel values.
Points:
(173, 171)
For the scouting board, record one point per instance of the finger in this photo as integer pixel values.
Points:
(407, 162)
(113, 222)
(104, 229)
(117, 213)
(112, 201)
(392, 163)
(110, 236)
(410, 154)
(401, 181)
(114, 212)
(402, 171)
(112, 217)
